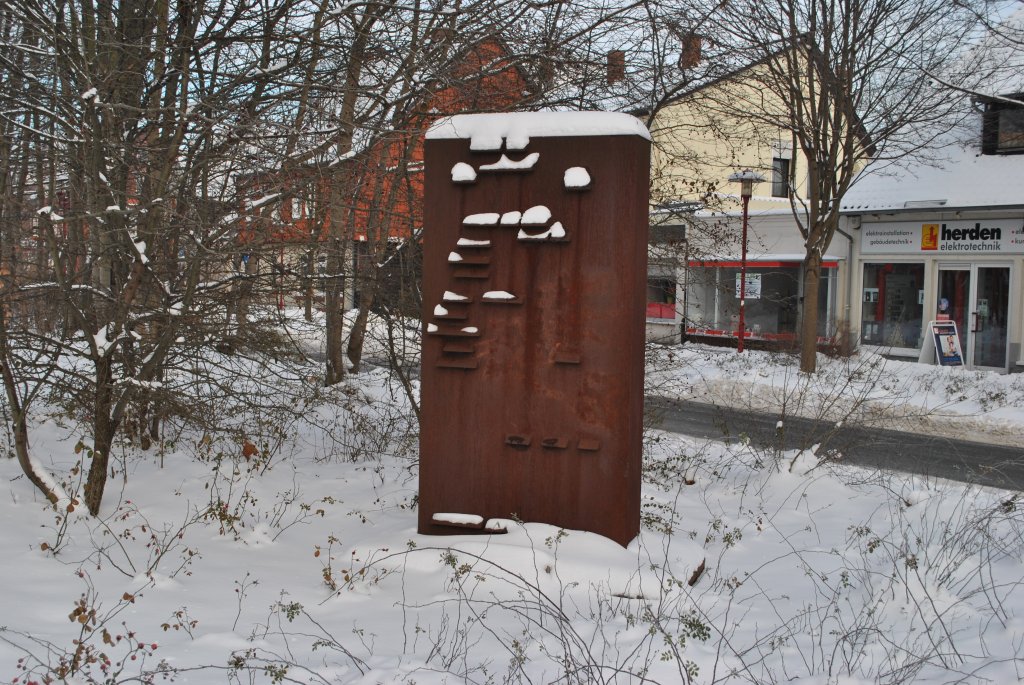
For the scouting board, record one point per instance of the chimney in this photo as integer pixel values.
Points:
(616, 66)
(690, 56)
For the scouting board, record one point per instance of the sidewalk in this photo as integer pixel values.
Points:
(866, 390)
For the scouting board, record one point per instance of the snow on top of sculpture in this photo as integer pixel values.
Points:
(487, 131)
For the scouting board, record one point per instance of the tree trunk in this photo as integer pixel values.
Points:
(809, 313)
(339, 187)
(358, 335)
(244, 298)
(19, 413)
(334, 303)
(103, 437)
(21, 450)
(307, 295)
(95, 483)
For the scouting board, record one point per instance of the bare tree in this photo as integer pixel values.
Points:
(128, 125)
(404, 66)
(989, 67)
(847, 81)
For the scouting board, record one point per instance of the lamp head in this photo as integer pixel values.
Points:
(746, 179)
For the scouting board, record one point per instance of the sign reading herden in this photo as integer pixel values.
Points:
(534, 284)
(992, 236)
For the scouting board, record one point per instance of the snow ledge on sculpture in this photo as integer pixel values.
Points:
(487, 131)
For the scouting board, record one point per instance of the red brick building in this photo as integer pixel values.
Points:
(382, 203)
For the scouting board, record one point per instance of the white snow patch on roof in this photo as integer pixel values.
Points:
(965, 178)
(762, 257)
(449, 296)
(486, 131)
(454, 257)
(343, 157)
(960, 176)
(511, 218)
(498, 295)
(467, 242)
(264, 200)
(440, 311)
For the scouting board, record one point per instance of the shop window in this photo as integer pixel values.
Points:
(780, 177)
(1003, 127)
(661, 298)
(826, 319)
(892, 305)
(702, 298)
(772, 303)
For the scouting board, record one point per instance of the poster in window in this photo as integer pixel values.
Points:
(753, 286)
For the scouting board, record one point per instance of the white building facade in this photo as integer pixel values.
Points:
(945, 241)
(958, 263)
(694, 276)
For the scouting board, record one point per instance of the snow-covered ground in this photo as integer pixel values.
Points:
(867, 388)
(301, 563)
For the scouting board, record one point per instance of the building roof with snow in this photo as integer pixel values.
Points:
(979, 164)
(961, 178)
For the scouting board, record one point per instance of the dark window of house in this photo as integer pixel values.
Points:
(1003, 127)
(780, 177)
(661, 298)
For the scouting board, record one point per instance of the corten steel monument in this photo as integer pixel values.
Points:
(534, 285)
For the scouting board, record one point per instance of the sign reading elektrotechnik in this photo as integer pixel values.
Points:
(993, 236)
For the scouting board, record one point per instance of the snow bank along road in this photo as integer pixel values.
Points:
(927, 455)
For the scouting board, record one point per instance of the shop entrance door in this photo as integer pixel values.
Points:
(977, 298)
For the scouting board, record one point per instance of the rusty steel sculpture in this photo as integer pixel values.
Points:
(534, 284)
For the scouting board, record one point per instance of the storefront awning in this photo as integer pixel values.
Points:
(765, 261)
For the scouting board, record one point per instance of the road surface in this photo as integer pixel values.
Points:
(927, 455)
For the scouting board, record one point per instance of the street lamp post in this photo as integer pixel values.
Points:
(746, 179)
